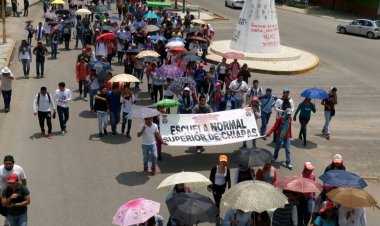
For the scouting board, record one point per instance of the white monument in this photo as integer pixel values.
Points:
(257, 28)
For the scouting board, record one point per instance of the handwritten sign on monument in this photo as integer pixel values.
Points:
(257, 28)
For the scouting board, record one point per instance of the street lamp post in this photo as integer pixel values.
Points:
(3, 18)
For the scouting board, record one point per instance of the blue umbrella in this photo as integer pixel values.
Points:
(139, 24)
(314, 93)
(100, 66)
(191, 57)
(70, 20)
(342, 178)
(177, 39)
(124, 36)
(151, 15)
(157, 38)
(133, 51)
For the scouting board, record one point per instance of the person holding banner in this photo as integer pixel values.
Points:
(256, 109)
(201, 108)
(283, 130)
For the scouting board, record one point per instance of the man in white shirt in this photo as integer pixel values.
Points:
(148, 133)
(254, 91)
(284, 103)
(8, 168)
(62, 96)
(43, 104)
(238, 87)
(352, 217)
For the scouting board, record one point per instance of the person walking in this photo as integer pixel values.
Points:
(283, 130)
(148, 132)
(186, 102)
(114, 106)
(43, 105)
(336, 164)
(25, 56)
(238, 88)
(16, 197)
(41, 52)
(62, 96)
(127, 100)
(66, 33)
(305, 108)
(243, 172)
(267, 173)
(220, 178)
(245, 72)
(157, 83)
(93, 85)
(26, 8)
(201, 108)
(352, 216)
(221, 71)
(39, 32)
(267, 103)
(54, 40)
(101, 108)
(8, 168)
(256, 110)
(327, 215)
(254, 90)
(6, 87)
(281, 104)
(81, 72)
(329, 104)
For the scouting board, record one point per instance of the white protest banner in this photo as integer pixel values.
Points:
(224, 127)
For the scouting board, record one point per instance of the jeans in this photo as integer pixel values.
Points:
(114, 119)
(286, 143)
(18, 220)
(264, 122)
(303, 129)
(149, 149)
(7, 98)
(82, 88)
(92, 93)
(326, 127)
(254, 141)
(54, 49)
(25, 66)
(157, 89)
(102, 120)
(239, 103)
(139, 73)
(204, 54)
(63, 116)
(40, 68)
(124, 121)
(42, 115)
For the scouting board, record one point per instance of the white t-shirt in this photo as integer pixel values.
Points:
(94, 82)
(5, 173)
(127, 104)
(148, 137)
(239, 86)
(59, 97)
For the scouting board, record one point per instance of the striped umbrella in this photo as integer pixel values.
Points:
(143, 113)
(298, 184)
(177, 85)
(169, 71)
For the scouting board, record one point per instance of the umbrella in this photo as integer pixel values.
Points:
(143, 113)
(192, 29)
(51, 16)
(342, 178)
(113, 18)
(167, 103)
(105, 36)
(123, 36)
(191, 179)
(177, 49)
(150, 59)
(233, 55)
(252, 157)
(177, 39)
(136, 211)
(83, 12)
(175, 44)
(62, 11)
(177, 85)
(197, 38)
(351, 197)
(139, 24)
(298, 184)
(314, 93)
(100, 66)
(192, 208)
(58, 2)
(133, 51)
(77, 3)
(191, 57)
(157, 38)
(151, 15)
(151, 28)
(255, 196)
(169, 71)
(107, 28)
(147, 53)
(124, 78)
(100, 9)
(70, 20)
(198, 21)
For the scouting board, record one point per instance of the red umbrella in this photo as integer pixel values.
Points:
(177, 49)
(298, 184)
(233, 55)
(197, 38)
(105, 36)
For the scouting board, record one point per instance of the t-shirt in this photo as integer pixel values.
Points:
(4, 173)
(202, 110)
(321, 222)
(241, 86)
(148, 137)
(93, 82)
(101, 105)
(127, 103)
(60, 96)
(113, 99)
(40, 53)
(21, 191)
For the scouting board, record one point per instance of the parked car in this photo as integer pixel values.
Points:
(234, 3)
(369, 28)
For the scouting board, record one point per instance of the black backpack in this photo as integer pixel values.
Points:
(38, 98)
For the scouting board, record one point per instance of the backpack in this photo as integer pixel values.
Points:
(38, 98)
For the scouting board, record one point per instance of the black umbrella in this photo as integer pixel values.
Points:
(134, 51)
(252, 157)
(192, 208)
(62, 11)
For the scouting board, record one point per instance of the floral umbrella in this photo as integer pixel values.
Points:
(169, 71)
(178, 84)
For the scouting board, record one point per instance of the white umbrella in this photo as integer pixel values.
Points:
(143, 113)
(83, 12)
(191, 179)
(124, 78)
(255, 196)
(174, 44)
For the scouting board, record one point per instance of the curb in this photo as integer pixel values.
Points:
(8, 59)
(305, 13)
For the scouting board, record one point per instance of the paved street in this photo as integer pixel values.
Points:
(78, 179)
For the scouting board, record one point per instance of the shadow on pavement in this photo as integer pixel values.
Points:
(109, 139)
(144, 102)
(77, 98)
(132, 178)
(280, 165)
(299, 144)
(88, 114)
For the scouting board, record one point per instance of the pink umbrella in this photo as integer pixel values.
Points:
(233, 55)
(298, 184)
(136, 211)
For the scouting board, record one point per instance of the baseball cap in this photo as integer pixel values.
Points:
(285, 90)
(337, 158)
(308, 165)
(186, 89)
(223, 158)
(12, 178)
(327, 205)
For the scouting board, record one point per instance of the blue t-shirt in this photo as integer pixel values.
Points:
(113, 99)
(321, 222)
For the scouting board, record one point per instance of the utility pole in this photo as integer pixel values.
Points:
(3, 18)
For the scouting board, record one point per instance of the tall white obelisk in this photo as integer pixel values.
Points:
(257, 28)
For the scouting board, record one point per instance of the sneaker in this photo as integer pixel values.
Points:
(85, 98)
(63, 132)
(113, 134)
(43, 134)
(289, 166)
(49, 136)
(275, 161)
(105, 132)
(154, 171)
(6, 110)
(100, 134)
(145, 170)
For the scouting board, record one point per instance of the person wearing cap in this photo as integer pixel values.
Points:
(256, 109)
(327, 215)
(267, 102)
(238, 88)
(329, 104)
(283, 103)
(41, 52)
(306, 199)
(201, 108)
(62, 96)
(319, 200)
(220, 178)
(6, 87)
(186, 101)
(283, 130)
(267, 173)
(16, 197)
(43, 105)
(336, 164)
(305, 108)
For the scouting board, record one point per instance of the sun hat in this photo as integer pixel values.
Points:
(6, 70)
(223, 158)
